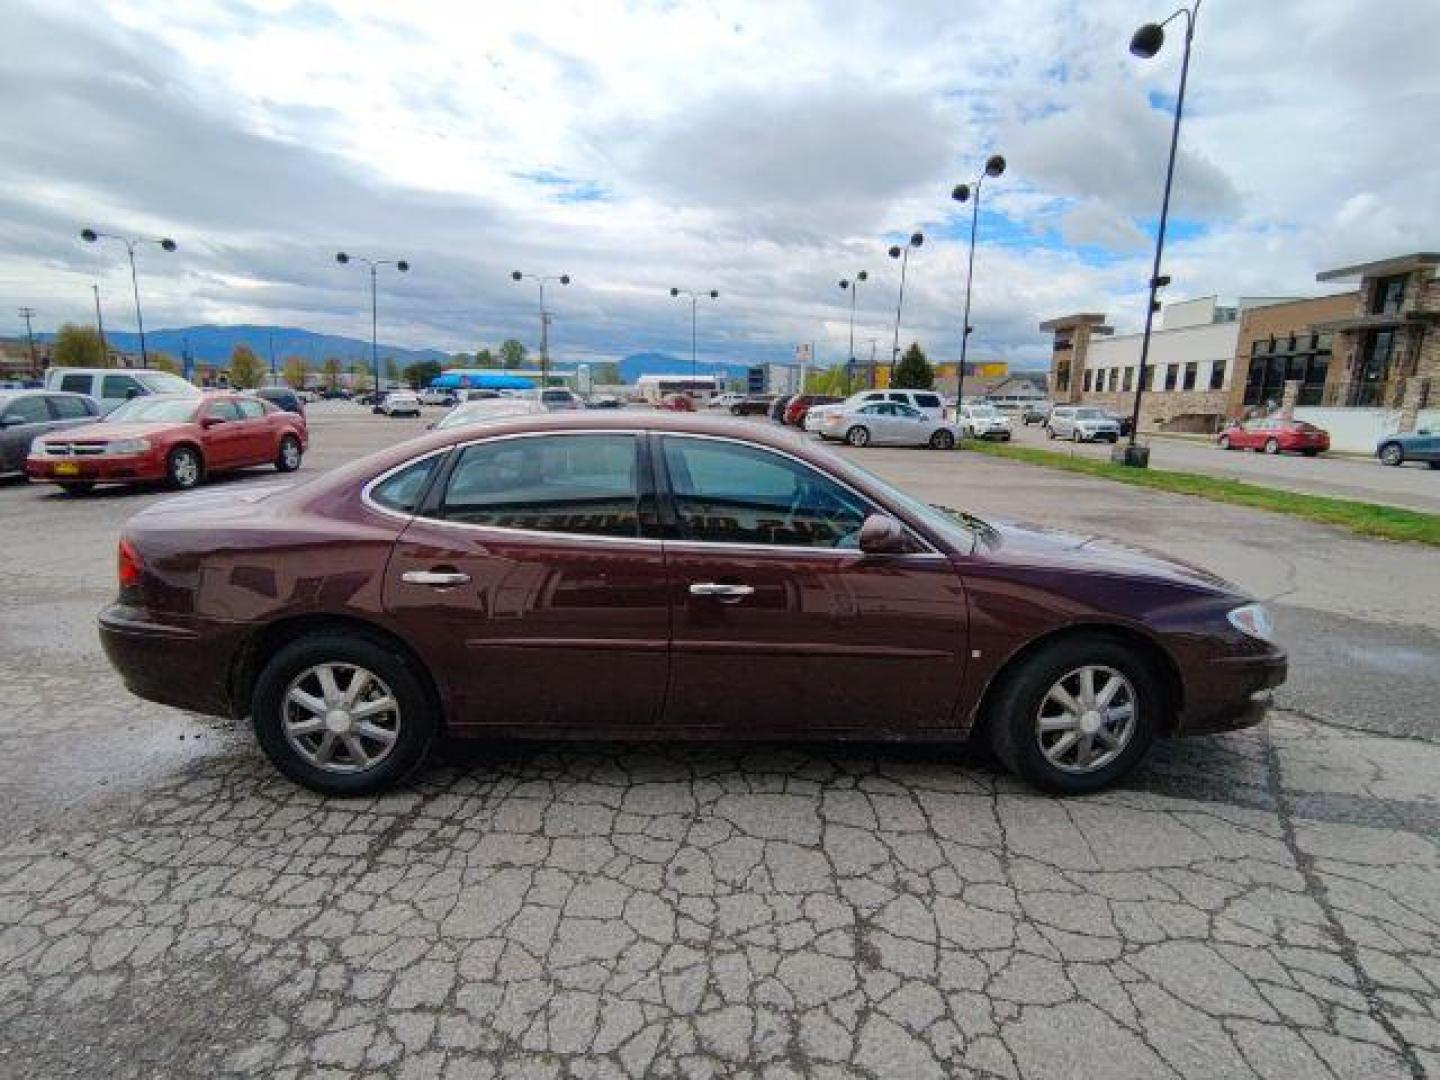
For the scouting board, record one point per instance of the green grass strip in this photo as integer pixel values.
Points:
(1367, 519)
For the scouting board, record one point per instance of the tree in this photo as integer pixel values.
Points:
(330, 372)
(294, 372)
(246, 371)
(392, 372)
(359, 375)
(914, 371)
(421, 374)
(606, 374)
(829, 380)
(485, 358)
(512, 353)
(78, 346)
(163, 361)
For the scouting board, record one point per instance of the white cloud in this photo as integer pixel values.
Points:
(762, 149)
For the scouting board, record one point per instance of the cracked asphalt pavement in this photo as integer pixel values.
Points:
(1265, 903)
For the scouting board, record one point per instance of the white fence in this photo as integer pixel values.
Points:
(1358, 430)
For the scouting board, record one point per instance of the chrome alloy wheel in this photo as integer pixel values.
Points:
(1086, 719)
(290, 453)
(340, 718)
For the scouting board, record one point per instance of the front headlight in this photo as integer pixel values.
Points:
(1252, 620)
(127, 446)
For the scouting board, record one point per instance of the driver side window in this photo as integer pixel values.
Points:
(730, 493)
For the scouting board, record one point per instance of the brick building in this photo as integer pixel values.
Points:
(1377, 347)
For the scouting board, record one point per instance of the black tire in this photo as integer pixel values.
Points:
(1013, 708)
(1433, 464)
(942, 440)
(1224, 442)
(1392, 453)
(78, 487)
(418, 718)
(859, 435)
(184, 468)
(287, 459)
(734, 410)
(1272, 446)
(1311, 453)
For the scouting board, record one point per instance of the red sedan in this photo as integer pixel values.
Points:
(801, 404)
(677, 403)
(171, 437)
(1275, 436)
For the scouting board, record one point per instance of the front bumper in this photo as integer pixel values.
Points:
(95, 469)
(1234, 692)
(171, 663)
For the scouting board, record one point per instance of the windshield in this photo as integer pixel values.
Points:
(162, 382)
(982, 410)
(155, 410)
(1090, 414)
(477, 412)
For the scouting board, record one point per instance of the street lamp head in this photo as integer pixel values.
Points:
(862, 276)
(402, 266)
(341, 258)
(167, 244)
(714, 295)
(916, 239)
(89, 235)
(516, 275)
(674, 291)
(1147, 41)
(894, 251)
(564, 279)
(961, 193)
(844, 284)
(994, 165)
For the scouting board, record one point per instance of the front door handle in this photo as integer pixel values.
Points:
(721, 591)
(434, 577)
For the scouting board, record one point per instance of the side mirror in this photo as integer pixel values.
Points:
(212, 421)
(131, 393)
(882, 535)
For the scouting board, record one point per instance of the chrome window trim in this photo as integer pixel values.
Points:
(370, 504)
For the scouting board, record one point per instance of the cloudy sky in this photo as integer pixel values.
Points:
(761, 149)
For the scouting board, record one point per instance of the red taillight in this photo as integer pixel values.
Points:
(128, 565)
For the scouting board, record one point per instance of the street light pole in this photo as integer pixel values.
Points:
(542, 280)
(994, 166)
(28, 313)
(90, 236)
(853, 285)
(903, 254)
(1145, 43)
(100, 324)
(694, 304)
(374, 264)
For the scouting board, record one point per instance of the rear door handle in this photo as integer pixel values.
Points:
(434, 577)
(721, 590)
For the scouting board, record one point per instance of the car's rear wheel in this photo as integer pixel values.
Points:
(1076, 715)
(858, 436)
(1392, 454)
(1272, 446)
(1224, 442)
(942, 440)
(341, 714)
(183, 468)
(288, 459)
(78, 487)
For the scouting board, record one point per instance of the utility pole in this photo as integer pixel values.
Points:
(28, 313)
(100, 325)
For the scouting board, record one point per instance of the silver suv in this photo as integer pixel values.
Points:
(1080, 423)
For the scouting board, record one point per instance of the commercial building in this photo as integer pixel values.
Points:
(1373, 353)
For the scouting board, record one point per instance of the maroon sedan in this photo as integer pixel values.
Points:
(171, 437)
(651, 575)
(1275, 436)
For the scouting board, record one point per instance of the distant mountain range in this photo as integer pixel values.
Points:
(214, 344)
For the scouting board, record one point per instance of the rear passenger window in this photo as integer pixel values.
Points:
(404, 489)
(75, 384)
(577, 484)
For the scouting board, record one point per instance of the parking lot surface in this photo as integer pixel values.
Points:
(1265, 903)
(1412, 486)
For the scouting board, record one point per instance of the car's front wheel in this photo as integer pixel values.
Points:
(288, 458)
(342, 715)
(1272, 446)
(184, 468)
(942, 440)
(1392, 454)
(858, 436)
(1076, 715)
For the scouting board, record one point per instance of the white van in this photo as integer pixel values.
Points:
(112, 387)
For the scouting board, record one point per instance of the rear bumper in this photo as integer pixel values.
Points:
(95, 470)
(184, 666)
(1236, 694)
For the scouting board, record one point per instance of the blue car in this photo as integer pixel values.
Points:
(1422, 445)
